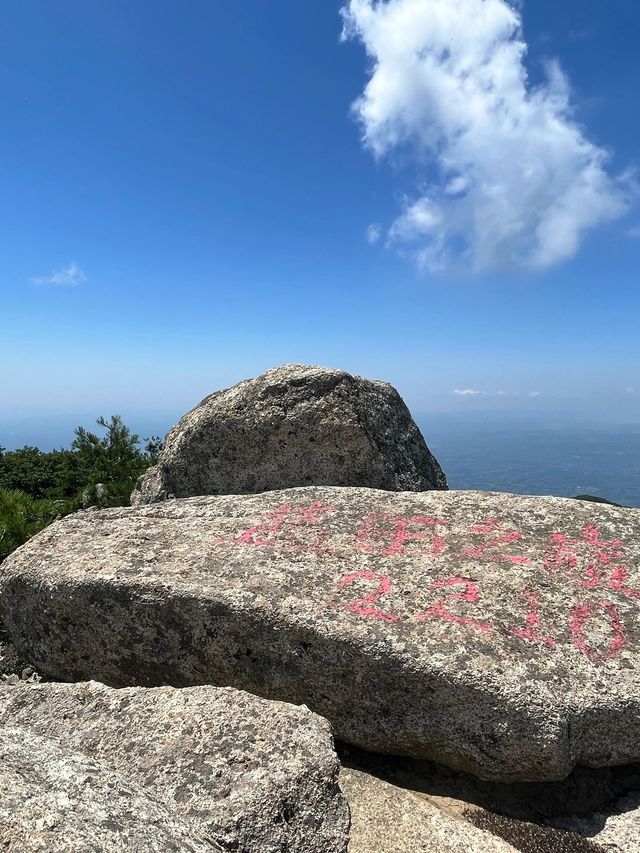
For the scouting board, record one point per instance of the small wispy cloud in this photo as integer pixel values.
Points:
(374, 232)
(504, 174)
(471, 392)
(630, 389)
(582, 34)
(634, 231)
(70, 276)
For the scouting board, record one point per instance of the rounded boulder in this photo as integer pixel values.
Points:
(293, 426)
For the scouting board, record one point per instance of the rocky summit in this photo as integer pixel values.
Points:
(85, 767)
(493, 633)
(293, 426)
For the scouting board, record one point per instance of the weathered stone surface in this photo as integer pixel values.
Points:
(56, 800)
(533, 838)
(617, 832)
(253, 775)
(493, 633)
(12, 668)
(531, 817)
(293, 426)
(388, 819)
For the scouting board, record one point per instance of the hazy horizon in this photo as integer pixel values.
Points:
(52, 430)
(506, 451)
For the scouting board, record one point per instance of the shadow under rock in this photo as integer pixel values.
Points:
(12, 665)
(518, 812)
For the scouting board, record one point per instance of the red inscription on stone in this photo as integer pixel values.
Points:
(532, 631)
(618, 581)
(580, 616)
(389, 535)
(492, 549)
(366, 606)
(288, 525)
(470, 594)
(591, 562)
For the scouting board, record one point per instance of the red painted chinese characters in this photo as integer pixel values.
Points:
(591, 567)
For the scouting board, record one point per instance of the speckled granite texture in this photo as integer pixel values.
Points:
(213, 767)
(293, 426)
(494, 633)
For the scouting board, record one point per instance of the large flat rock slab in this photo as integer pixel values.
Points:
(494, 633)
(217, 765)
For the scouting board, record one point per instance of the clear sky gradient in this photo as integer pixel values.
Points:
(187, 201)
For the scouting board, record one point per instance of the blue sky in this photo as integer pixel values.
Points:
(188, 197)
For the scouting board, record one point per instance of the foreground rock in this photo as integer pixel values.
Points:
(56, 800)
(388, 819)
(614, 833)
(492, 633)
(293, 426)
(399, 804)
(205, 766)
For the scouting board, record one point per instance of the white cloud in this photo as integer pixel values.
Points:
(634, 231)
(70, 276)
(374, 232)
(508, 177)
(470, 392)
(581, 34)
